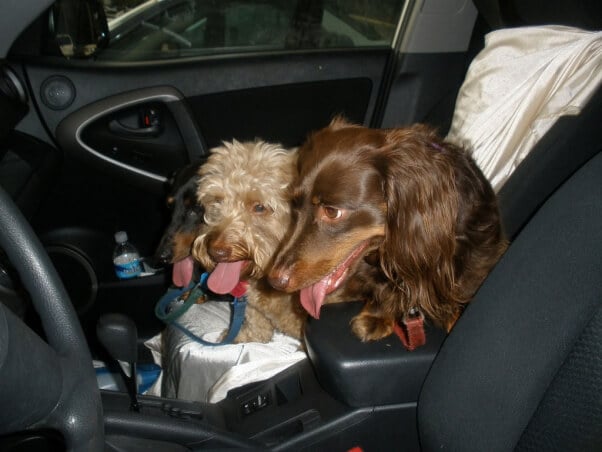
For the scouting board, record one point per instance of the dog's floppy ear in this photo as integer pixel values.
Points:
(422, 208)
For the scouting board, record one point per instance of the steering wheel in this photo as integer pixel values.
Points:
(44, 384)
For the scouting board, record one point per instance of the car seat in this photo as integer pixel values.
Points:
(573, 139)
(523, 366)
(522, 369)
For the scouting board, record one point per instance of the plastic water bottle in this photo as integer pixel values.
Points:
(126, 258)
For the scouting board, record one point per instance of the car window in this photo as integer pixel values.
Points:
(164, 29)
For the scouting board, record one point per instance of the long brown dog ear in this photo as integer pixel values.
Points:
(422, 208)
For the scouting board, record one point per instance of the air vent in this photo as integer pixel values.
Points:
(11, 85)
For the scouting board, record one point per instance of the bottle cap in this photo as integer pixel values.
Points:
(121, 236)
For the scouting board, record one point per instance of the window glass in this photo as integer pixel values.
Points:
(162, 29)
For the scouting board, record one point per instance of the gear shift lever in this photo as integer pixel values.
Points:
(119, 336)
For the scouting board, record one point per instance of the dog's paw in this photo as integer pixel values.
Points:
(371, 328)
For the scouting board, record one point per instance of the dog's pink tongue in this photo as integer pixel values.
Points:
(224, 277)
(181, 274)
(312, 298)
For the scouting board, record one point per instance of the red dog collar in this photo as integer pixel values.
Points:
(411, 331)
(240, 289)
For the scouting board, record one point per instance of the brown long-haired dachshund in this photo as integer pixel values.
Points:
(398, 218)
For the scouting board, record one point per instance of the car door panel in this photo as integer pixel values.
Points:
(279, 98)
(142, 135)
(291, 111)
(95, 82)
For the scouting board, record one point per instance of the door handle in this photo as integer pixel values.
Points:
(148, 124)
(135, 132)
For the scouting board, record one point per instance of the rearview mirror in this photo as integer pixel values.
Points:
(79, 27)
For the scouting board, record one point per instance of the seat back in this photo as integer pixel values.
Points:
(522, 367)
(571, 142)
(585, 14)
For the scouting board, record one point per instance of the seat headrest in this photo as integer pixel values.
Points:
(585, 14)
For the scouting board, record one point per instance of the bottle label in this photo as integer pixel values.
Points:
(128, 270)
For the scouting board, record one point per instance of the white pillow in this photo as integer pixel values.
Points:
(518, 86)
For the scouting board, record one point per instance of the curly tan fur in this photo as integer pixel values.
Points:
(397, 218)
(244, 188)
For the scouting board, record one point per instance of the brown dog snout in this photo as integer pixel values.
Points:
(219, 253)
(279, 279)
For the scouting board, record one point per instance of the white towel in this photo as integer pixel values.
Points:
(518, 86)
(193, 371)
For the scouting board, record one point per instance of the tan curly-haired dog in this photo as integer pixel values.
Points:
(244, 188)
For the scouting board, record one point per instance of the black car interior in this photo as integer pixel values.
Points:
(27, 164)
(521, 369)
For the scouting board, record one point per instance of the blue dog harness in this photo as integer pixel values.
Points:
(168, 309)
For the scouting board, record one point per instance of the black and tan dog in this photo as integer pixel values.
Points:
(185, 225)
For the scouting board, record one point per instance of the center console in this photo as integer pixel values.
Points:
(347, 394)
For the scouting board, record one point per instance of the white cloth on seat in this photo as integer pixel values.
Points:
(193, 371)
(518, 86)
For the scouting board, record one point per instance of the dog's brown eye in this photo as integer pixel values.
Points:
(332, 213)
(259, 208)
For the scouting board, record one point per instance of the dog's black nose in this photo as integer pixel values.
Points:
(161, 258)
(219, 253)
